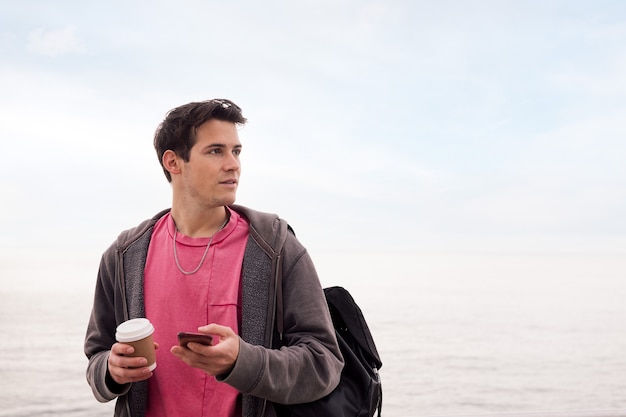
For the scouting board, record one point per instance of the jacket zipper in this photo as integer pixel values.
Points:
(122, 283)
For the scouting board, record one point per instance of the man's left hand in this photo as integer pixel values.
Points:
(217, 359)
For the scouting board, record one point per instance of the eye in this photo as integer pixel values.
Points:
(237, 152)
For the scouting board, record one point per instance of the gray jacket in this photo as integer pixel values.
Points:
(301, 365)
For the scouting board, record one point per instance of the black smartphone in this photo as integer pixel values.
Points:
(186, 337)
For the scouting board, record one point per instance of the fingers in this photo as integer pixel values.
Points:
(125, 369)
(217, 330)
(217, 359)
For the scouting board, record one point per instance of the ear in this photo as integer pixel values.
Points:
(171, 162)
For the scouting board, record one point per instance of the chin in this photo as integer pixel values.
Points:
(227, 201)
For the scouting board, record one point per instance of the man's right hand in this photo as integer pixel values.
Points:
(125, 369)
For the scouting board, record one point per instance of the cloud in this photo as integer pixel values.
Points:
(611, 84)
(54, 43)
(496, 120)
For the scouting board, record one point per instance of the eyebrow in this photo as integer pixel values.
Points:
(221, 145)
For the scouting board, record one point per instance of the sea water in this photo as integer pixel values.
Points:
(457, 333)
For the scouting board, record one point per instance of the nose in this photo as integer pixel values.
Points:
(232, 163)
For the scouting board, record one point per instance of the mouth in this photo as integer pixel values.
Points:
(229, 182)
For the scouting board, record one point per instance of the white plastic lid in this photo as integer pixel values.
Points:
(134, 329)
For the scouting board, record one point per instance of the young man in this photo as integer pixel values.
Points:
(210, 266)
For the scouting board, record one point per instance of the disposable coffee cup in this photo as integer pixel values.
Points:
(138, 334)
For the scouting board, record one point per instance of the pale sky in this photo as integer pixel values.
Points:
(373, 125)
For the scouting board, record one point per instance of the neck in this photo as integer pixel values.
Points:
(204, 223)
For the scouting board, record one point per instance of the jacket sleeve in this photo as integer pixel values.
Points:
(101, 332)
(308, 367)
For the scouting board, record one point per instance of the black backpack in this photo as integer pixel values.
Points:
(359, 393)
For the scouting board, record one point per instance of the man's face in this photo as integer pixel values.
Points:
(211, 176)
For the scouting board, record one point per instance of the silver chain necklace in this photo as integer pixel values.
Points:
(197, 268)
